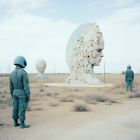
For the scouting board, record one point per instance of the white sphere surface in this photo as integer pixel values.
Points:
(72, 43)
(41, 65)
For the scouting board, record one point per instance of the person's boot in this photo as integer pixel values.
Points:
(16, 123)
(23, 125)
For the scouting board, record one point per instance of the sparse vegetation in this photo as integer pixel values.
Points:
(8, 101)
(41, 90)
(1, 124)
(66, 98)
(48, 94)
(56, 94)
(77, 90)
(1, 101)
(29, 108)
(3, 96)
(131, 96)
(97, 97)
(137, 95)
(39, 109)
(80, 107)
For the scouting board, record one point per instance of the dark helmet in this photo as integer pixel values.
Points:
(20, 60)
(129, 66)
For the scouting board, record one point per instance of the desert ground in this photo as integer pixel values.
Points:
(74, 113)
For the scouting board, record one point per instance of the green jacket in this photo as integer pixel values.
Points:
(19, 83)
(129, 75)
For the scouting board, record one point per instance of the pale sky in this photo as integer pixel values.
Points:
(40, 29)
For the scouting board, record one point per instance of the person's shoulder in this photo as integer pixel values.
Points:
(12, 72)
(23, 71)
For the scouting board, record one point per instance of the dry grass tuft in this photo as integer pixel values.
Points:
(29, 108)
(66, 98)
(41, 90)
(131, 96)
(120, 91)
(92, 102)
(8, 101)
(137, 95)
(98, 97)
(48, 94)
(80, 107)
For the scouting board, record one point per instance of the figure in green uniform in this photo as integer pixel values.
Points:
(129, 77)
(20, 92)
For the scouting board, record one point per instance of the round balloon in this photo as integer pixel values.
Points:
(40, 65)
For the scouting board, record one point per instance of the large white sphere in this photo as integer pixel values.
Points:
(41, 65)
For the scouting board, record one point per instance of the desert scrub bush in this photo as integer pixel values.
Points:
(38, 109)
(1, 101)
(48, 94)
(3, 96)
(71, 95)
(29, 108)
(137, 95)
(1, 124)
(55, 94)
(41, 90)
(77, 89)
(66, 98)
(8, 101)
(134, 90)
(131, 96)
(80, 107)
(120, 84)
(98, 97)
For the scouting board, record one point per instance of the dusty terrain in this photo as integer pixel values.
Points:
(60, 113)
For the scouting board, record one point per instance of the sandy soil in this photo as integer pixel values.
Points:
(51, 119)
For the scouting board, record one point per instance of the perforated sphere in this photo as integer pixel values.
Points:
(41, 65)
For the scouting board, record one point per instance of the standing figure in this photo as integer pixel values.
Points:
(20, 92)
(129, 77)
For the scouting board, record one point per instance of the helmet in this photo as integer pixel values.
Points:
(129, 66)
(20, 60)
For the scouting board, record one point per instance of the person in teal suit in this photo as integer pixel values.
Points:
(129, 77)
(20, 92)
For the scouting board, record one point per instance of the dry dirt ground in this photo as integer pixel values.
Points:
(61, 113)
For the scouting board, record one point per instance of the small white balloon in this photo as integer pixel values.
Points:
(40, 66)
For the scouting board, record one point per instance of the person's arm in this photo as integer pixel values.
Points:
(11, 88)
(126, 76)
(133, 76)
(26, 85)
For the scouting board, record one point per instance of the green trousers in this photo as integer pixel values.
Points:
(19, 108)
(129, 83)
